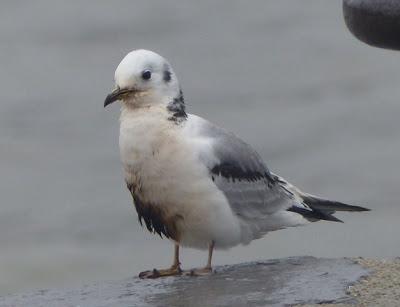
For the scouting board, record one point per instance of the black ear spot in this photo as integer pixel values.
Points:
(167, 76)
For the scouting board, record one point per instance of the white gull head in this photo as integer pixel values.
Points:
(143, 78)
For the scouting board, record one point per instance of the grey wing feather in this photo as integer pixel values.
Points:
(238, 171)
(252, 191)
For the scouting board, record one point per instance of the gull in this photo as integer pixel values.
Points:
(191, 181)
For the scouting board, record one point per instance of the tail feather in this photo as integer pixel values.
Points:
(314, 208)
(314, 214)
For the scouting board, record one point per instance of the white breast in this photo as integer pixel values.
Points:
(158, 156)
(141, 134)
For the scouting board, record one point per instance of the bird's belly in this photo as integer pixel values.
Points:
(185, 199)
(209, 218)
(168, 177)
(192, 207)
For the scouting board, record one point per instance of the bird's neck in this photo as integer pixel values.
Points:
(174, 106)
(145, 135)
(142, 131)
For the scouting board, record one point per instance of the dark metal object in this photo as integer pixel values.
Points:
(375, 22)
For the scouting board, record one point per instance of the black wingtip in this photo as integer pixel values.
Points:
(345, 207)
(362, 209)
(331, 205)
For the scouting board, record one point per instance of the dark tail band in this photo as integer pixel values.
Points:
(323, 209)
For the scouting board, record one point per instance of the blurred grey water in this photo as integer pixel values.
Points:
(320, 107)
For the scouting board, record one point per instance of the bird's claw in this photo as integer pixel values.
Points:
(174, 271)
(149, 274)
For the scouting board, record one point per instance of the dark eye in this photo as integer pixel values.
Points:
(146, 75)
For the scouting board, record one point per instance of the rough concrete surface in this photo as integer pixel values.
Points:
(380, 288)
(282, 282)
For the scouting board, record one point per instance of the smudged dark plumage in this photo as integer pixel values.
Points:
(154, 218)
(177, 108)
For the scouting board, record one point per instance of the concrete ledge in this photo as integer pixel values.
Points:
(282, 282)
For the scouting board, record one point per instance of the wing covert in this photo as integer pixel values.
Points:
(238, 171)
